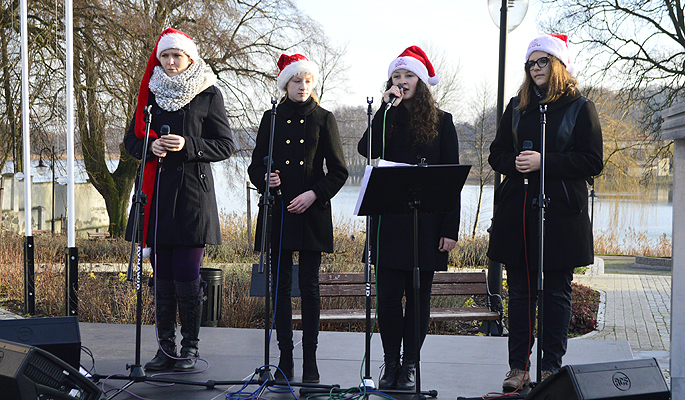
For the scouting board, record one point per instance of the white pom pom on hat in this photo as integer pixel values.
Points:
(290, 66)
(415, 60)
(556, 45)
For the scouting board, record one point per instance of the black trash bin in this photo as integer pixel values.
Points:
(211, 311)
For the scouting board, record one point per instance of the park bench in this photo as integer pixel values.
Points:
(98, 235)
(352, 284)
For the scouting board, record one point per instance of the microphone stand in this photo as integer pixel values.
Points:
(137, 373)
(541, 203)
(368, 380)
(267, 202)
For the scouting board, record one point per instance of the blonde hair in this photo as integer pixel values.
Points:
(560, 83)
(299, 75)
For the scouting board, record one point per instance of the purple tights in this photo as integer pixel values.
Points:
(177, 263)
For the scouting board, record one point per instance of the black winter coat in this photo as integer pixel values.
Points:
(186, 202)
(573, 155)
(396, 234)
(305, 137)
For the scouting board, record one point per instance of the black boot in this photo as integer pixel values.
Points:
(190, 298)
(311, 306)
(286, 366)
(310, 372)
(165, 316)
(407, 375)
(390, 373)
(284, 333)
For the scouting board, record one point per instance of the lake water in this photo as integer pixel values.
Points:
(613, 212)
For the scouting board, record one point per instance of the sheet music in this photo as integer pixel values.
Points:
(367, 173)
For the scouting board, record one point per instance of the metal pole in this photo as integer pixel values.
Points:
(52, 216)
(249, 216)
(495, 268)
(29, 284)
(71, 267)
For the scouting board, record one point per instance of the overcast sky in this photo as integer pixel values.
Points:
(376, 32)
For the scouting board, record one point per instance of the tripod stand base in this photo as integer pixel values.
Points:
(368, 384)
(361, 389)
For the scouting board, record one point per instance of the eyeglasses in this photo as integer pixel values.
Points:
(541, 62)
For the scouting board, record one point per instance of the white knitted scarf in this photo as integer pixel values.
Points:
(174, 92)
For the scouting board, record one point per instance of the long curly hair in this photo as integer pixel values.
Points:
(560, 83)
(425, 114)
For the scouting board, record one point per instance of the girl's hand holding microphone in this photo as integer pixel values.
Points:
(396, 93)
(166, 143)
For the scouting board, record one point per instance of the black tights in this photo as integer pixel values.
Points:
(395, 324)
(556, 315)
(308, 279)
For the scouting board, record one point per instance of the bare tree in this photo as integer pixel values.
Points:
(476, 139)
(637, 47)
(240, 40)
(448, 92)
(637, 44)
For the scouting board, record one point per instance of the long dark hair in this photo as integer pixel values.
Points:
(424, 114)
(560, 83)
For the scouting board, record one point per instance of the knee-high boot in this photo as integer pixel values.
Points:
(284, 335)
(310, 262)
(190, 297)
(311, 305)
(165, 319)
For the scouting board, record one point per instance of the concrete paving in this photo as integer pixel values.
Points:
(633, 322)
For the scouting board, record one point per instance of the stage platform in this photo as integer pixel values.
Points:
(455, 366)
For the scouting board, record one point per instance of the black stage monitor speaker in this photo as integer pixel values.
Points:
(59, 336)
(626, 380)
(30, 373)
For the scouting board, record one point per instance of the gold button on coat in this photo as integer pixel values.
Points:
(288, 121)
(287, 162)
(302, 121)
(301, 162)
(287, 141)
(301, 140)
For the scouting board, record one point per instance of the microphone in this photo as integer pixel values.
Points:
(277, 189)
(164, 130)
(393, 98)
(527, 145)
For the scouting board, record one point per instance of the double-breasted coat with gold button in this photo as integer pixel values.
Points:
(305, 138)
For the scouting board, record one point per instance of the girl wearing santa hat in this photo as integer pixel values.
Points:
(305, 137)
(181, 215)
(413, 130)
(573, 155)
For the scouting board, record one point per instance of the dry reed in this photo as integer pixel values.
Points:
(110, 298)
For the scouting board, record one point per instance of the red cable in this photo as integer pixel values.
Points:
(530, 323)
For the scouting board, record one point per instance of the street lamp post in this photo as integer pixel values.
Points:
(41, 169)
(518, 9)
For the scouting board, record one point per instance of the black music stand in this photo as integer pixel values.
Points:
(412, 190)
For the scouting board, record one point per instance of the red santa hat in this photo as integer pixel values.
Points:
(169, 39)
(555, 45)
(415, 60)
(289, 66)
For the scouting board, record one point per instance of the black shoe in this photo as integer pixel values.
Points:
(310, 372)
(390, 374)
(286, 368)
(187, 361)
(161, 362)
(407, 376)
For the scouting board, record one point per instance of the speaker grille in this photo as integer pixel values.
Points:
(44, 371)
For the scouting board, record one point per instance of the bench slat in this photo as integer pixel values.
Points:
(439, 289)
(437, 314)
